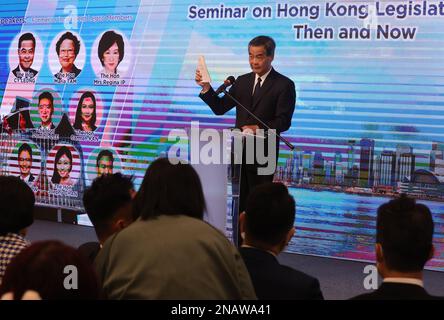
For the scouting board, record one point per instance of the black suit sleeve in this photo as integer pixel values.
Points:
(284, 108)
(315, 290)
(219, 105)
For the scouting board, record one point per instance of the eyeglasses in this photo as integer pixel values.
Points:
(24, 159)
(69, 52)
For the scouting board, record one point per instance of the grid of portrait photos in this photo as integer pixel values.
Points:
(56, 148)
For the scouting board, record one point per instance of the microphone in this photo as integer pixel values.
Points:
(230, 81)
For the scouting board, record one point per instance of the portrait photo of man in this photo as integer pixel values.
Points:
(46, 110)
(24, 157)
(25, 50)
(105, 163)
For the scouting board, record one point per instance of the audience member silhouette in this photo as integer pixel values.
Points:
(16, 214)
(108, 203)
(52, 269)
(170, 252)
(404, 235)
(267, 228)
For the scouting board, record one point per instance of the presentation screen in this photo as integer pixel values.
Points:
(95, 87)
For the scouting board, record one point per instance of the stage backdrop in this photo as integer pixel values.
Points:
(92, 87)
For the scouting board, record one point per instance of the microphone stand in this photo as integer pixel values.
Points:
(260, 121)
(235, 221)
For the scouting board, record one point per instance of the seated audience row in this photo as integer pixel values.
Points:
(154, 244)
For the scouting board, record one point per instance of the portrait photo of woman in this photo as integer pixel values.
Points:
(68, 48)
(85, 119)
(63, 167)
(111, 51)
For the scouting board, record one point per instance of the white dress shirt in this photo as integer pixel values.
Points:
(262, 79)
(414, 281)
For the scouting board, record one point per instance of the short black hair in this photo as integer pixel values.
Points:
(269, 213)
(68, 35)
(24, 37)
(24, 147)
(47, 95)
(404, 229)
(266, 42)
(104, 153)
(16, 205)
(169, 189)
(106, 195)
(107, 40)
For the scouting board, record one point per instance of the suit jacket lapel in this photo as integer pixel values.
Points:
(265, 87)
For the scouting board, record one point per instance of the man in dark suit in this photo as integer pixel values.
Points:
(25, 162)
(267, 94)
(404, 235)
(267, 228)
(46, 110)
(108, 203)
(26, 50)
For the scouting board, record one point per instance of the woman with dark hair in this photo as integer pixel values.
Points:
(111, 51)
(25, 121)
(45, 267)
(62, 167)
(170, 252)
(67, 48)
(86, 113)
(169, 189)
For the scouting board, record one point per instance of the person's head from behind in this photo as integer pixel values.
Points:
(404, 236)
(26, 50)
(46, 108)
(169, 189)
(16, 205)
(67, 48)
(104, 162)
(25, 160)
(108, 203)
(44, 267)
(268, 220)
(62, 165)
(111, 51)
(261, 54)
(86, 111)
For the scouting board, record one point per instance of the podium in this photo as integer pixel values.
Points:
(219, 168)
